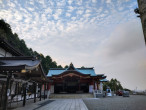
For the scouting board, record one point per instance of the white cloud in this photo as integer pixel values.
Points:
(17, 16)
(70, 8)
(57, 14)
(31, 2)
(108, 1)
(11, 4)
(80, 12)
(30, 9)
(79, 2)
(99, 10)
(44, 18)
(70, 2)
(61, 3)
(94, 1)
(87, 15)
(73, 18)
(87, 11)
(59, 11)
(48, 11)
(68, 14)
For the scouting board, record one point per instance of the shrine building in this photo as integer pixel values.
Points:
(21, 77)
(75, 80)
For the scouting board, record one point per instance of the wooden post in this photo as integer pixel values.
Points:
(7, 86)
(79, 85)
(63, 85)
(16, 87)
(24, 94)
(40, 92)
(2, 93)
(97, 86)
(94, 85)
(34, 84)
(44, 90)
(18, 92)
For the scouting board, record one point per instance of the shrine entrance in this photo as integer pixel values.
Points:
(71, 85)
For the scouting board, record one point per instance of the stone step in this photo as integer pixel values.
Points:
(70, 96)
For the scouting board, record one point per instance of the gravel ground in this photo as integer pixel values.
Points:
(134, 102)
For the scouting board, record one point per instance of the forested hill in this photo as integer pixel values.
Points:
(12, 38)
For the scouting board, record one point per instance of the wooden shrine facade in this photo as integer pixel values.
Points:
(74, 80)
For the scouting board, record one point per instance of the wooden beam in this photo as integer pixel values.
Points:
(3, 76)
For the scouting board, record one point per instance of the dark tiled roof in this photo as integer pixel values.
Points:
(6, 46)
(15, 65)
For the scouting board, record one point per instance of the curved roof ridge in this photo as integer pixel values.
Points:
(57, 68)
(86, 68)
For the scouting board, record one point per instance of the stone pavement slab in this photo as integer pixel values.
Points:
(56, 104)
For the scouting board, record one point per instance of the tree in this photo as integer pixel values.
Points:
(5, 26)
(53, 64)
(59, 66)
(127, 89)
(66, 66)
(114, 85)
(82, 67)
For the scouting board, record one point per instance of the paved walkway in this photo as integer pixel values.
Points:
(134, 102)
(57, 104)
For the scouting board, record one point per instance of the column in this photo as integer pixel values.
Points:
(1, 105)
(44, 90)
(97, 84)
(24, 93)
(63, 85)
(94, 85)
(34, 85)
(16, 87)
(79, 85)
(40, 91)
(9, 75)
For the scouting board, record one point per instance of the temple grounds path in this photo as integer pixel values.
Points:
(134, 102)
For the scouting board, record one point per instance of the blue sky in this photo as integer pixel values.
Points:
(105, 34)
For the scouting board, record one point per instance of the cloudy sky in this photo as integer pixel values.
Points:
(104, 34)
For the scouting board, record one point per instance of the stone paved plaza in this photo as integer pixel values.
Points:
(134, 102)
